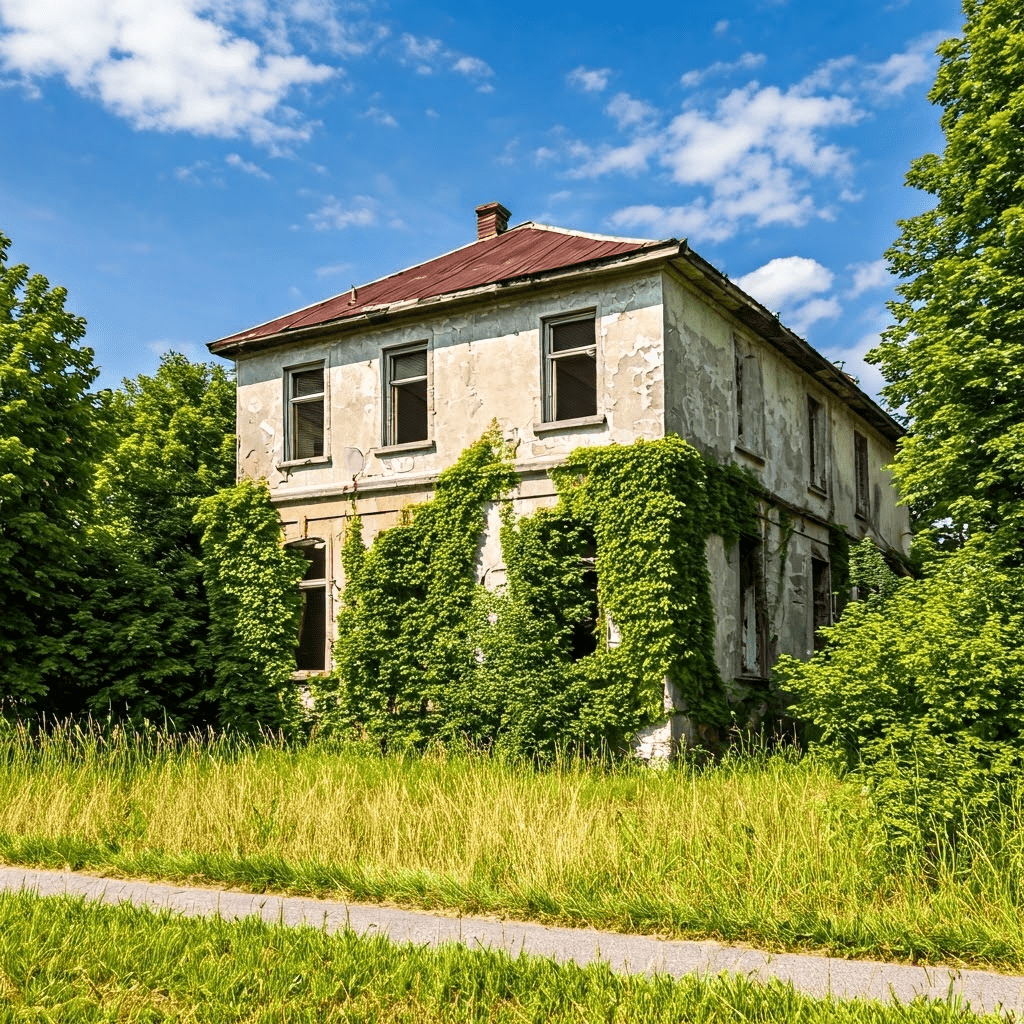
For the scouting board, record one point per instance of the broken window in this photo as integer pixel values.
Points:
(570, 368)
(817, 443)
(749, 402)
(407, 420)
(821, 580)
(860, 458)
(584, 632)
(306, 412)
(311, 653)
(752, 608)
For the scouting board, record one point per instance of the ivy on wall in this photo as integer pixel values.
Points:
(251, 583)
(607, 595)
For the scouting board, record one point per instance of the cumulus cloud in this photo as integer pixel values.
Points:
(868, 276)
(589, 79)
(380, 116)
(630, 112)
(360, 213)
(793, 286)
(745, 62)
(246, 167)
(171, 65)
(914, 66)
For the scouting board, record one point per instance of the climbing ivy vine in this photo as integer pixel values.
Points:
(607, 595)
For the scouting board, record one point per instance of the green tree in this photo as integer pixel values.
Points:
(954, 360)
(50, 438)
(140, 630)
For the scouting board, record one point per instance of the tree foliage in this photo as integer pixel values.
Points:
(954, 360)
(49, 437)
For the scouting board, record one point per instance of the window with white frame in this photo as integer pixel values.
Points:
(311, 651)
(570, 367)
(306, 412)
(407, 419)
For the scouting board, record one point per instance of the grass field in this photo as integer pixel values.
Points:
(65, 960)
(772, 850)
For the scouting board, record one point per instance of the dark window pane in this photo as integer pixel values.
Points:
(409, 412)
(751, 607)
(822, 583)
(409, 364)
(575, 386)
(317, 557)
(307, 382)
(575, 334)
(308, 442)
(860, 448)
(312, 650)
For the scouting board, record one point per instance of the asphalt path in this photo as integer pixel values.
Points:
(982, 991)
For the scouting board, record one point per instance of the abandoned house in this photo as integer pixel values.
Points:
(566, 339)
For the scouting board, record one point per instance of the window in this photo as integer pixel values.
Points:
(311, 653)
(570, 368)
(752, 608)
(749, 402)
(406, 372)
(817, 443)
(860, 459)
(821, 579)
(306, 413)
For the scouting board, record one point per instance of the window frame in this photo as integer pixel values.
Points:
(290, 402)
(861, 476)
(319, 584)
(750, 553)
(817, 445)
(748, 381)
(548, 358)
(821, 597)
(389, 430)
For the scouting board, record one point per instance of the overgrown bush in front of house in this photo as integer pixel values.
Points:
(921, 689)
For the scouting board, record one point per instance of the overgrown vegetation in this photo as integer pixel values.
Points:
(775, 850)
(64, 960)
(425, 652)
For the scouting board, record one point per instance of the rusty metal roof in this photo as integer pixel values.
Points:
(523, 250)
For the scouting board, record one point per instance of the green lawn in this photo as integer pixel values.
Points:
(62, 959)
(775, 850)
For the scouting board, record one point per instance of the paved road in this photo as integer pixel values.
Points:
(815, 975)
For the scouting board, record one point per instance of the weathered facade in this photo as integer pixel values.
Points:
(565, 339)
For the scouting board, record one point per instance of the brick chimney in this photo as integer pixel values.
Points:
(491, 220)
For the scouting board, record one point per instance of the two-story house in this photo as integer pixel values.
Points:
(567, 339)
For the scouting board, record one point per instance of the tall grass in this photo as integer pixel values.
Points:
(64, 960)
(773, 849)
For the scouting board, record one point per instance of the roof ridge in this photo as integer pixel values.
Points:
(588, 234)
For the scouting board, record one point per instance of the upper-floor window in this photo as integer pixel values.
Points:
(406, 387)
(749, 401)
(570, 368)
(306, 412)
(311, 652)
(863, 481)
(817, 443)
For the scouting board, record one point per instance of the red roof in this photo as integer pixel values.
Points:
(526, 249)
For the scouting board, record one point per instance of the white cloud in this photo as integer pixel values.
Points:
(630, 112)
(868, 276)
(786, 280)
(792, 285)
(428, 54)
(333, 271)
(361, 213)
(745, 62)
(189, 173)
(170, 65)
(914, 66)
(721, 27)
(589, 79)
(234, 160)
(380, 116)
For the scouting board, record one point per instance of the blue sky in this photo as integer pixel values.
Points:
(188, 168)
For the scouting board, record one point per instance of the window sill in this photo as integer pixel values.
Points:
(862, 516)
(747, 453)
(401, 449)
(303, 675)
(818, 492)
(556, 426)
(316, 460)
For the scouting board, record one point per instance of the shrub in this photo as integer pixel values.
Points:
(921, 687)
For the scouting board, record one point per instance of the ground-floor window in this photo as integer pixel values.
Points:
(311, 652)
(752, 608)
(821, 581)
